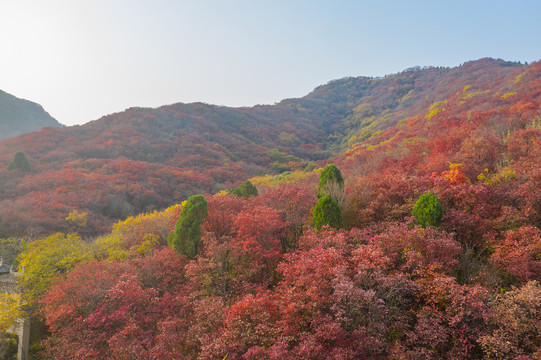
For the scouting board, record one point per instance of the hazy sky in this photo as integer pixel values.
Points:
(82, 59)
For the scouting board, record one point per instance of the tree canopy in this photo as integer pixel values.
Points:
(187, 236)
(428, 210)
(331, 182)
(19, 162)
(327, 212)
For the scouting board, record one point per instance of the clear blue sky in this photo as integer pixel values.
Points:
(82, 59)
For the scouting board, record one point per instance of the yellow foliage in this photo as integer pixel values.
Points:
(136, 235)
(437, 104)
(504, 175)
(148, 245)
(519, 77)
(455, 174)
(363, 109)
(46, 259)
(285, 177)
(505, 96)
(110, 247)
(11, 306)
(76, 218)
(407, 96)
(435, 109)
(465, 95)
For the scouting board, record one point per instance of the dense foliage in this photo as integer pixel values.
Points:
(186, 238)
(247, 189)
(330, 182)
(327, 212)
(264, 284)
(19, 162)
(428, 210)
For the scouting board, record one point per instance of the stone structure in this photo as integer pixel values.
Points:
(8, 284)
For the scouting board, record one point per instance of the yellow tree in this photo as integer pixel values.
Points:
(10, 310)
(45, 259)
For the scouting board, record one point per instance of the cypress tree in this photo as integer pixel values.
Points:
(428, 210)
(327, 212)
(187, 236)
(19, 162)
(248, 189)
(329, 175)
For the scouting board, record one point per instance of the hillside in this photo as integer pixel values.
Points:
(18, 116)
(433, 249)
(146, 159)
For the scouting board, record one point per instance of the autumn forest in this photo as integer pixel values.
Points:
(374, 218)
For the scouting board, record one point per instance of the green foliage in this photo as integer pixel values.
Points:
(187, 236)
(280, 157)
(327, 212)
(330, 180)
(19, 162)
(428, 210)
(246, 190)
(8, 346)
(235, 191)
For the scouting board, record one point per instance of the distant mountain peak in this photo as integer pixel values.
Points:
(19, 116)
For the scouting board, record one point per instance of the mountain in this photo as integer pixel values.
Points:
(432, 199)
(18, 116)
(145, 159)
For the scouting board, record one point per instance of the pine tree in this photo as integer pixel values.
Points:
(428, 210)
(19, 162)
(187, 236)
(248, 189)
(327, 212)
(331, 182)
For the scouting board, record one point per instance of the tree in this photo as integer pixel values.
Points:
(46, 259)
(331, 182)
(327, 212)
(187, 236)
(516, 316)
(258, 231)
(19, 162)
(246, 190)
(428, 210)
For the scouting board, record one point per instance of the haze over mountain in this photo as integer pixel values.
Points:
(144, 159)
(19, 116)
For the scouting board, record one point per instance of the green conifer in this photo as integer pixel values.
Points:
(428, 210)
(248, 189)
(327, 212)
(19, 162)
(330, 178)
(187, 236)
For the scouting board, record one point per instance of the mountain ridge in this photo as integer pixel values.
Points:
(144, 159)
(20, 116)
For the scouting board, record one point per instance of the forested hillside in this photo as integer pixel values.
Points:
(18, 116)
(419, 239)
(145, 159)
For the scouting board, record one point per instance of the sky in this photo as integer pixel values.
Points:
(83, 59)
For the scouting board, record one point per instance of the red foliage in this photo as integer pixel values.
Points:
(257, 233)
(518, 253)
